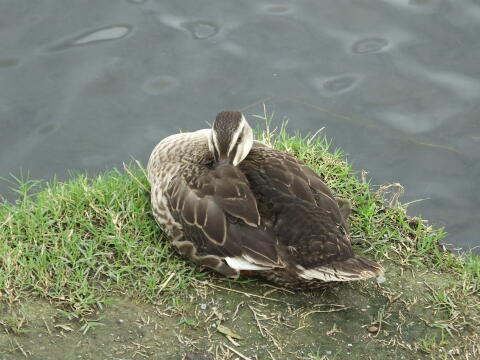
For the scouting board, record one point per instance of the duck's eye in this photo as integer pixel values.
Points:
(239, 140)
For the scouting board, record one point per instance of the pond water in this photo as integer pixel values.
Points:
(86, 85)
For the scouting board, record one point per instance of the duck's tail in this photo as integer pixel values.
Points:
(354, 268)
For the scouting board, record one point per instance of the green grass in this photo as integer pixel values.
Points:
(81, 242)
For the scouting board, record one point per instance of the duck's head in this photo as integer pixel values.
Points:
(231, 138)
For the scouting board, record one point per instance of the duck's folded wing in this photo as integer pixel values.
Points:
(219, 215)
(292, 176)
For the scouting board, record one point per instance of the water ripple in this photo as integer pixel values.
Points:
(369, 45)
(337, 85)
(105, 34)
(201, 29)
(109, 33)
(340, 84)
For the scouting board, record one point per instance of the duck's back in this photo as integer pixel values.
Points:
(285, 178)
(305, 219)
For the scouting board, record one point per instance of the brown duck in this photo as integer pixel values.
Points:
(235, 205)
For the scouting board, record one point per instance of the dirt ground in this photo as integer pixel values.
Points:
(218, 319)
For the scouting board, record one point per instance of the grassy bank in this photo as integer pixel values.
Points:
(80, 244)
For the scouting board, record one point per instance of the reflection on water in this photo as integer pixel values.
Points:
(395, 83)
(198, 29)
(109, 33)
(201, 29)
(370, 45)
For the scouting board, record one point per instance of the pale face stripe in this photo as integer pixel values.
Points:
(236, 134)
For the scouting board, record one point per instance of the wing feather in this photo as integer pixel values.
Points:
(215, 224)
(219, 213)
(293, 177)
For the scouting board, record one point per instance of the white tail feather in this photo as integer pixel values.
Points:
(239, 263)
(329, 274)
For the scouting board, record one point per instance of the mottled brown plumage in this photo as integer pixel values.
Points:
(233, 204)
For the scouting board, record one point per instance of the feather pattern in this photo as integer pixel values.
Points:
(270, 214)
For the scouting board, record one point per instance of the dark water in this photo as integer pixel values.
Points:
(86, 85)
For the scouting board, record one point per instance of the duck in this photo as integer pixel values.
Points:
(239, 207)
